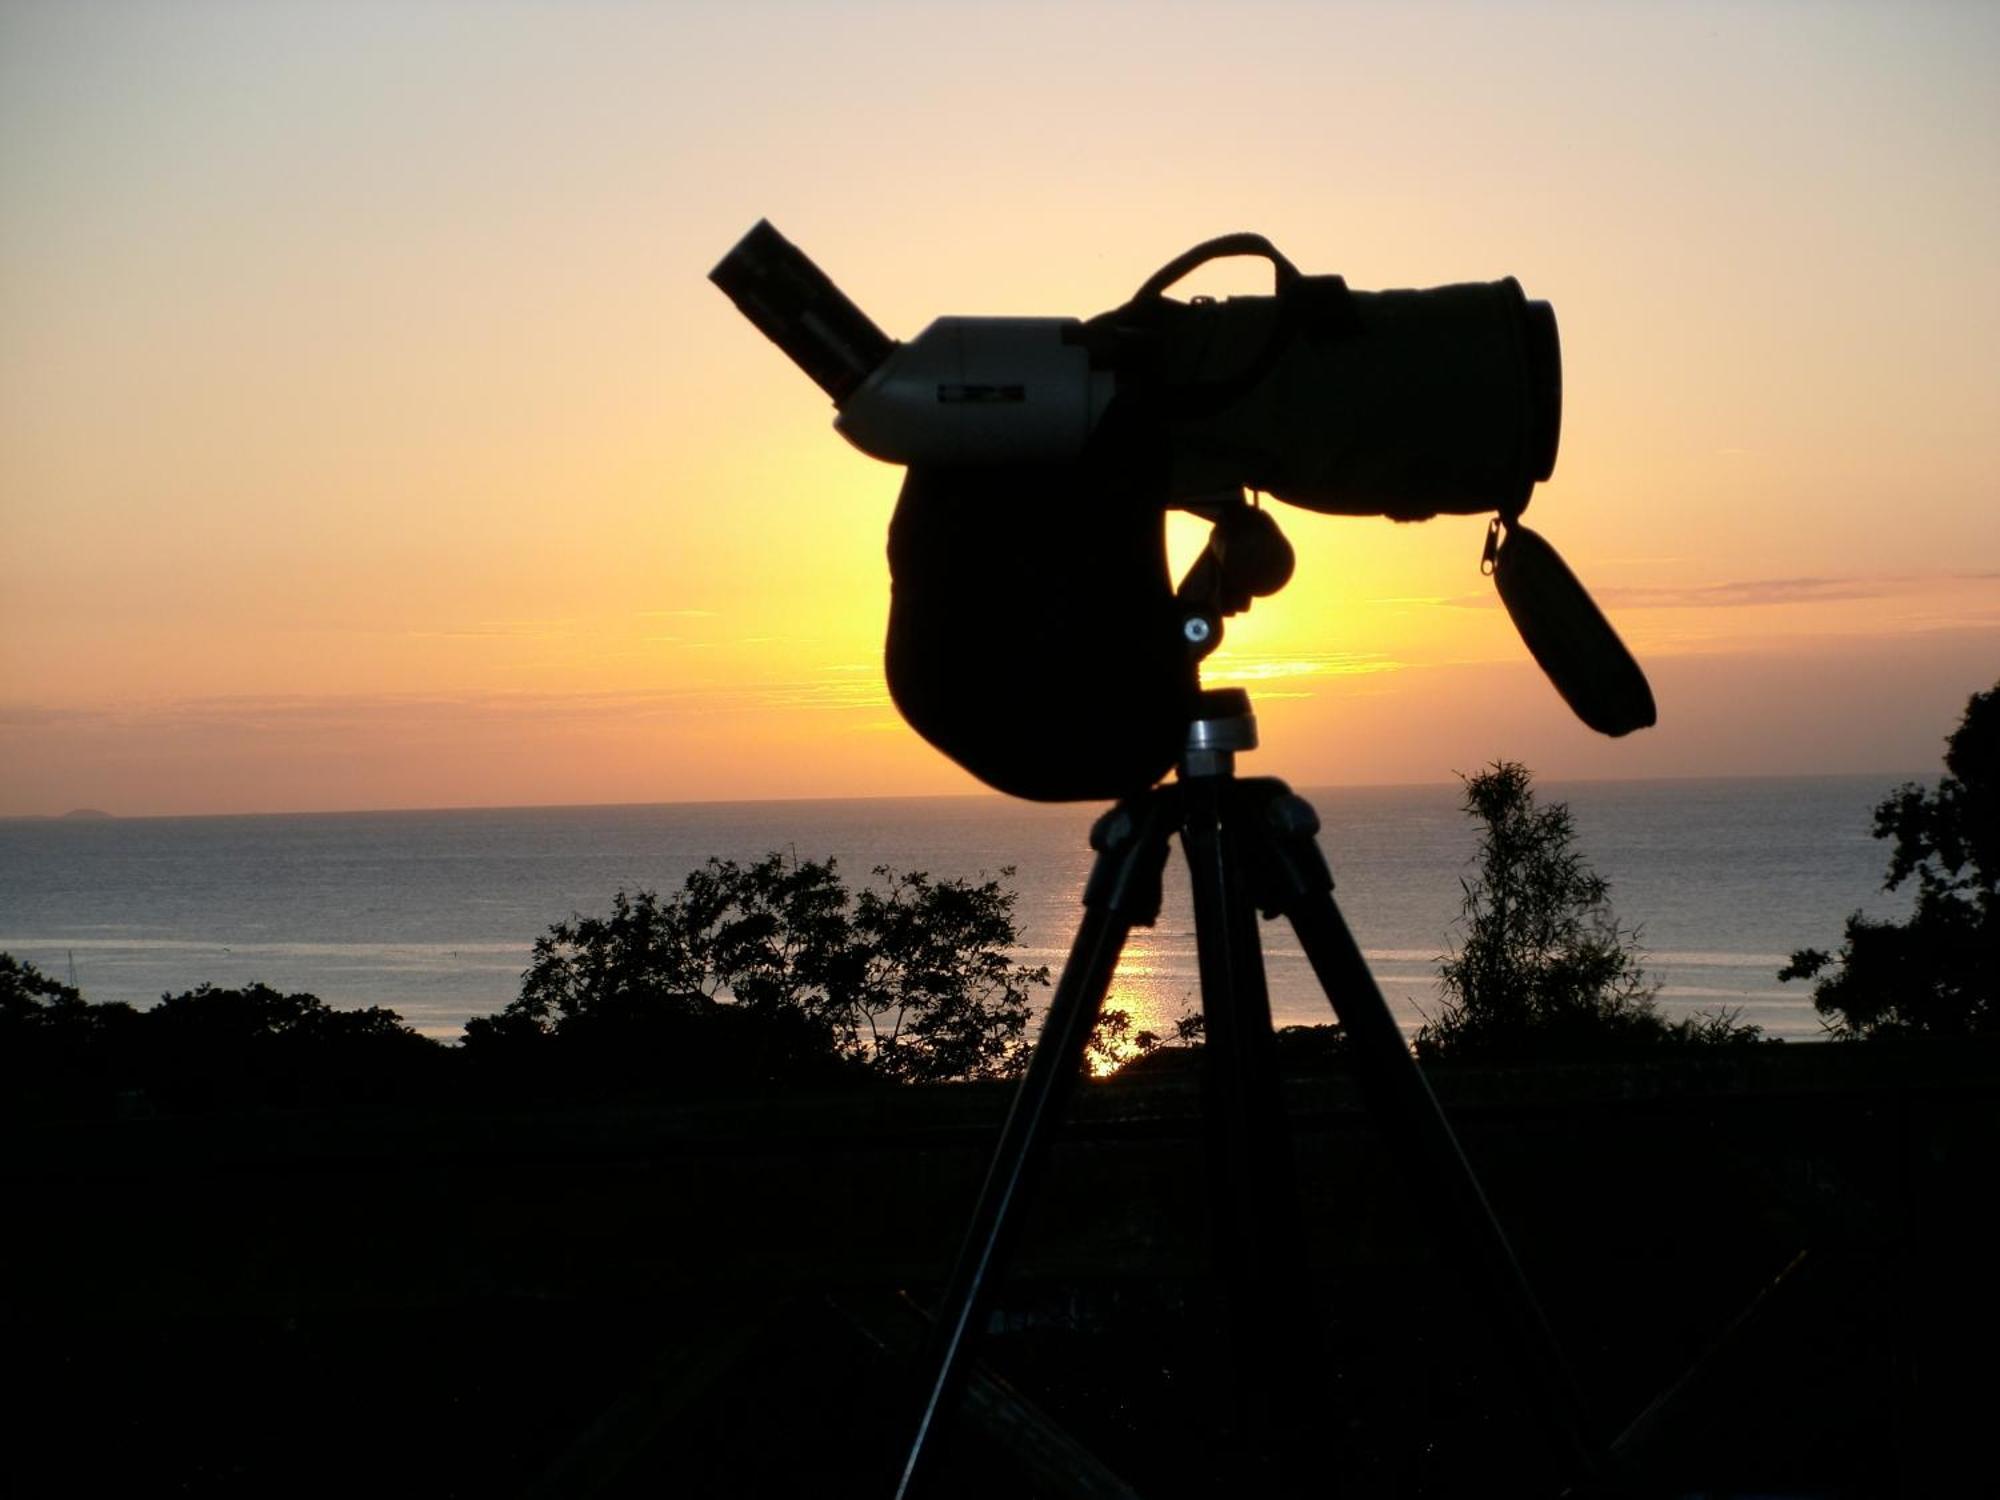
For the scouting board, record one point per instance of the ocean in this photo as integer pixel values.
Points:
(432, 913)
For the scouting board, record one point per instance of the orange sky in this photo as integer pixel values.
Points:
(370, 435)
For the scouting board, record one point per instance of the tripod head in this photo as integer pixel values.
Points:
(1222, 725)
(1027, 553)
(1246, 558)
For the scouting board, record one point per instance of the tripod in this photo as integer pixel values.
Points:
(1250, 847)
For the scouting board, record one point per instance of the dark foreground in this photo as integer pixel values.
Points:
(642, 1299)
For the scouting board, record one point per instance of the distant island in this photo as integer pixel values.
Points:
(86, 815)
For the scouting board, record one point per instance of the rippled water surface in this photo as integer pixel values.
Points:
(432, 913)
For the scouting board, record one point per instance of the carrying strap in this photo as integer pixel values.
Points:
(1220, 248)
(1321, 302)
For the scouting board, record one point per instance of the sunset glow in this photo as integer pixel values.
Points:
(371, 437)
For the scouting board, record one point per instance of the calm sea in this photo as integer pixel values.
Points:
(432, 913)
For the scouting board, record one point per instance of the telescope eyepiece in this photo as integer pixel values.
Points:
(798, 308)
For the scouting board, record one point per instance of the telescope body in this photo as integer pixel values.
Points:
(971, 391)
(1399, 403)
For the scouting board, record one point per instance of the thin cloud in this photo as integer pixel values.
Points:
(840, 687)
(1754, 593)
(1748, 593)
(1222, 667)
(825, 695)
(500, 630)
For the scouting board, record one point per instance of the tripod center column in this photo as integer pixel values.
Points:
(1222, 725)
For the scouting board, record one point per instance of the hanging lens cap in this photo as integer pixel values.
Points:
(1569, 637)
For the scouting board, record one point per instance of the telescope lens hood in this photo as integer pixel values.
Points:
(1545, 386)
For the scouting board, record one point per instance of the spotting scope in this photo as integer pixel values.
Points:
(1035, 635)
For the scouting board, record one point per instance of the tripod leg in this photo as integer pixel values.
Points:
(1301, 886)
(1253, 1199)
(1123, 892)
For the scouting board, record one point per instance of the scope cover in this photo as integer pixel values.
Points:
(1033, 634)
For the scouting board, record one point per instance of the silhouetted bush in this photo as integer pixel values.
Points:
(1545, 970)
(35, 1007)
(1938, 974)
(775, 972)
(1115, 1046)
(209, 1047)
(56, 1048)
(205, 1048)
(749, 976)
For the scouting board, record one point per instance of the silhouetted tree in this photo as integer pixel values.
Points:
(940, 995)
(31, 999)
(776, 966)
(1938, 974)
(1544, 969)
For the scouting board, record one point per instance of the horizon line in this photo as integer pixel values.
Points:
(99, 815)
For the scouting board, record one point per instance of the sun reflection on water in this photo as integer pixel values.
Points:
(1154, 987)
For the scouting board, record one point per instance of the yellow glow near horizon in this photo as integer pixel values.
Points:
(370, 435)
